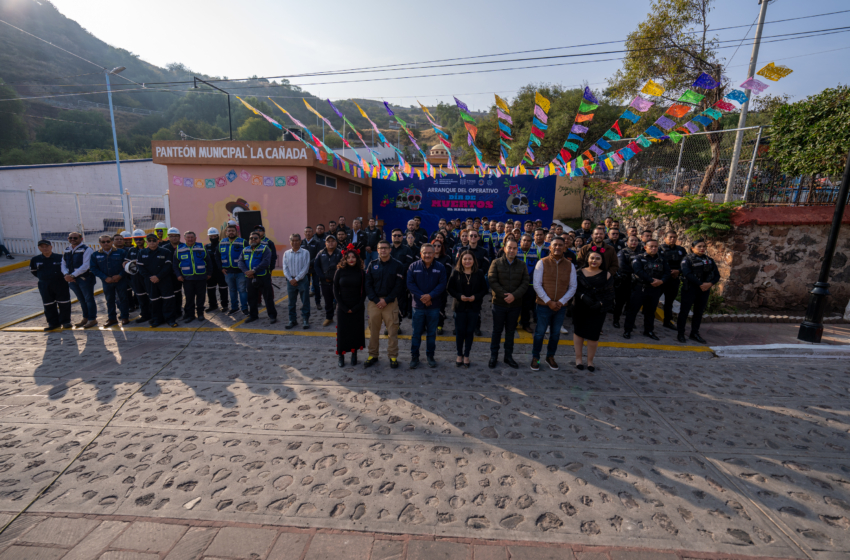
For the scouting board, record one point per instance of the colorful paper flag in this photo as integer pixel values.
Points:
(586, 107)
(641, 104)
(713, 113)
(773, 72)
(692, 97)
(541, 101)
(503, 116)
(737, 95)
(578, 129)
(674, 136)
(461, 104)
(665, 123)
(588, 96)
(630, 116)
(651, 88)
(503, 105)
(584, 118)
(538, 112)
(706, 82)
(755, 86)
(704, 121)
(724, 106)
(678, 111)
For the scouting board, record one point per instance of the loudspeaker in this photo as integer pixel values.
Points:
(248, 220)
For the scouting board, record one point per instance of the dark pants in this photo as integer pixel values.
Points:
(56, 297)
(554, 320)
(671, 290)
(442, 320)
(162, 300)
(465, 322)
(317, 289)
(196, 295)
(217, 280)
(116, 291)
(504, 319)
(404, 305)
(83, 288)
(424, 321)
(646, 296)
(257, 286)
(138, 284)
(698, 299)
(528, 304)
(301, 289)
(327, 289)
(622, 295)
(177, 289)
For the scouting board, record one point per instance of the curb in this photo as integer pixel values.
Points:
(829, 351)
(15, 266)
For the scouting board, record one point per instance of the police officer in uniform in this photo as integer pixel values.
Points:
(216, 273)
(402, 253)
(155, 266)
(313, 245)
(192, 267)
(623, 278)
(119, 242)
(171, 246)
(529, 253)
(649, 272)
(137, 281)
(385, 280)
(54, 290)
(108, 265)
(699, 274)
(673, 254)
(325, 267)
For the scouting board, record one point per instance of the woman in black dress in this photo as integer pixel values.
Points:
(350, 296)
(467, 287)
(594, 298)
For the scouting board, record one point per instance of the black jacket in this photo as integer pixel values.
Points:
(624, 257)
(404, 255)
(697, 270)
(47, 269)
(673, 254)
(483, 256)
(645, 269)
(313, 246)
(475, 286)
(155, 263)
(385, 280)
(372, 237)
(325, 265)
(214, 258)
(360, 244)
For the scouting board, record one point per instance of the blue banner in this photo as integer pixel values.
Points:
(520, 198)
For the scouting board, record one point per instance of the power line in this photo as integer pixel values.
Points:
(52, 45)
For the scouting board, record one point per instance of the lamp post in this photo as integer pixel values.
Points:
(124, 209)
(811, 329)
(229, 120)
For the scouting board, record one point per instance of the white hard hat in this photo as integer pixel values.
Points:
(138, 233)
(124, 233)
(231, 223)
(160, 225)
(131, 267)
(212, 231)
(173, 231)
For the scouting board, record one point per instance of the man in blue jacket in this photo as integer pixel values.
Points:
(256, 262)
(192, 267)
(108, 265)
(426, 281)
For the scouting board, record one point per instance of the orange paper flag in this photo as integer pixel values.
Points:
(583, 118)
(678, 111)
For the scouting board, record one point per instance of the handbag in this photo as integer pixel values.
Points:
(589, 303)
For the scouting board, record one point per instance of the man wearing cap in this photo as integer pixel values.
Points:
(325, 266)
(55, 294)
(171, 246)
(76, 266)
(137, 281)
(192, 267)
(155, 266)
(255, 263)
(108, 265)
(227, 258)
(216, 273)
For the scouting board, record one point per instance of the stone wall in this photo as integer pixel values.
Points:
(772, 256)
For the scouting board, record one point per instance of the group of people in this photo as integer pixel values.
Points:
(532, 273)
(152, 272)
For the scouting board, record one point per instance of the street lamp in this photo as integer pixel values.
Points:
(229, 121)
(125, 210)
(811, 329)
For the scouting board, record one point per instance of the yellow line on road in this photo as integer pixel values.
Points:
(15, 266)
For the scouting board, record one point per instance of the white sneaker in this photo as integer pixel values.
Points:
(565, 330)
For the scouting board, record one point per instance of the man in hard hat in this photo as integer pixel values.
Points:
(216, 273)
(227, 258)
(156, 267)
(192, 268)
(55, 294)
(108, 265)
(160, 229)
(137, 281)
(255, 263)
(171, 247)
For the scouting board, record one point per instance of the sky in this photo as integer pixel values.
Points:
(273, 38)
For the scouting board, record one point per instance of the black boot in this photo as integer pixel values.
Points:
(341, 361)
(354, 357)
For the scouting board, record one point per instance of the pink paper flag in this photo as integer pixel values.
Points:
(221, 182)
(177, 181)
(538, 112)
(245, 176)
(641, 104)
(503, 116)
(755, 86)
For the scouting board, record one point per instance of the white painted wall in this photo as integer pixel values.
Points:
(138, 176)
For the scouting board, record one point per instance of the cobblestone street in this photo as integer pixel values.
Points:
(166, 443)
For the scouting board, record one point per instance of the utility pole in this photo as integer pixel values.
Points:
(229, 119)
(128, 222)
(742, 120)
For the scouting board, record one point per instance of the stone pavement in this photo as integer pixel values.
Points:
(241, 439)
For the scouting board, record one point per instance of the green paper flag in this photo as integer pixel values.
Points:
(692, 97)
(580, 161)
(611, 135)
(465, 116)
(713, 113)
(674, 136)
(642, 140)
(585, 107)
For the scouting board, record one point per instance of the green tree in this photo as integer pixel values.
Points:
(36, 153)
(811, 136)
(257, 128)
(672, 47)
(78, 130)
(13, 129)
(191, 128)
